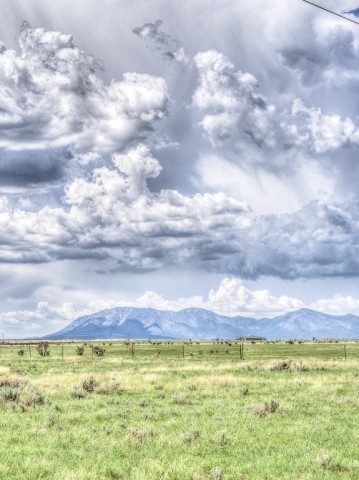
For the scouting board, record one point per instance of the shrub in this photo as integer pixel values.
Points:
(244, 390)
(13, 381)
(89, 385)
(192, 387)
(180, 399)
(109, 387)
(269, 407)
(216, 473)
(80, 351)
(17, 389)
(77, 393)
(43, 349)
(323, 460)
(9, 394)
(97, 350)
(191, 436)
(32, 396)
(282, 365)
(159, 386)
(21, 352)
(220, 438)
(138, 435)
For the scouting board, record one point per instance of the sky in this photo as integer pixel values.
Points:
(177, 154)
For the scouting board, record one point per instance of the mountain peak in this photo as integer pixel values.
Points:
(198, 323)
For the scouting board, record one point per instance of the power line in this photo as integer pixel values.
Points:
(330, 11)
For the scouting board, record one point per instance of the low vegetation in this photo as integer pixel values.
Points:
(283, 412)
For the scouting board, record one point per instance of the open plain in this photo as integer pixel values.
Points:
(176, 411)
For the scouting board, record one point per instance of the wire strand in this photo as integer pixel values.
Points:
(330, 11)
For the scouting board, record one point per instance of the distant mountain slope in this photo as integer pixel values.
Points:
(307, 323)
(197, 323)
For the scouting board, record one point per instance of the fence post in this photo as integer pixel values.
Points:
(345, 352)
(30, 349)
(62, 351)
(183, 350)
(241, 351)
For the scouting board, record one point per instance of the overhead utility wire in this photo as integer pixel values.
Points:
(330, 11)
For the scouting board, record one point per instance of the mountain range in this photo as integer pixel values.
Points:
(197, 323)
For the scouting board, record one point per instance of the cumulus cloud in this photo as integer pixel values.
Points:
(231, 102)
(113, 213)
(322, 132)
(327, 54)
(33, 320)
(237, 116)
(168, 45)
(337, 305)
(51, 98)
(231, 298)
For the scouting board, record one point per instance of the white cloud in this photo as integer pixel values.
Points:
(322, 132)
(231, 298)
(234, 110)
(237, 116)
(51, 97)
(337, 305)
(113, 213)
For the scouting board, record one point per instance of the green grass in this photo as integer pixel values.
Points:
(159, 415)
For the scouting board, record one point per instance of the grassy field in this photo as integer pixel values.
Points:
(180, 412)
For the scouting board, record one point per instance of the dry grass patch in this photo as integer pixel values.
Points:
(219, 380)
(4, 371)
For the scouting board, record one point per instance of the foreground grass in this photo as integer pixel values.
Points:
(178, 418)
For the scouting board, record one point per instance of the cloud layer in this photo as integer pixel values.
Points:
(113, 214)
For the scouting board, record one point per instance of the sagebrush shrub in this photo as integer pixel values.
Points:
(89, 384)
(180, 399)
(138, 435)
(191, 435)
(32, 396)
(9, 394)
(269, 407)
(216, 473)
